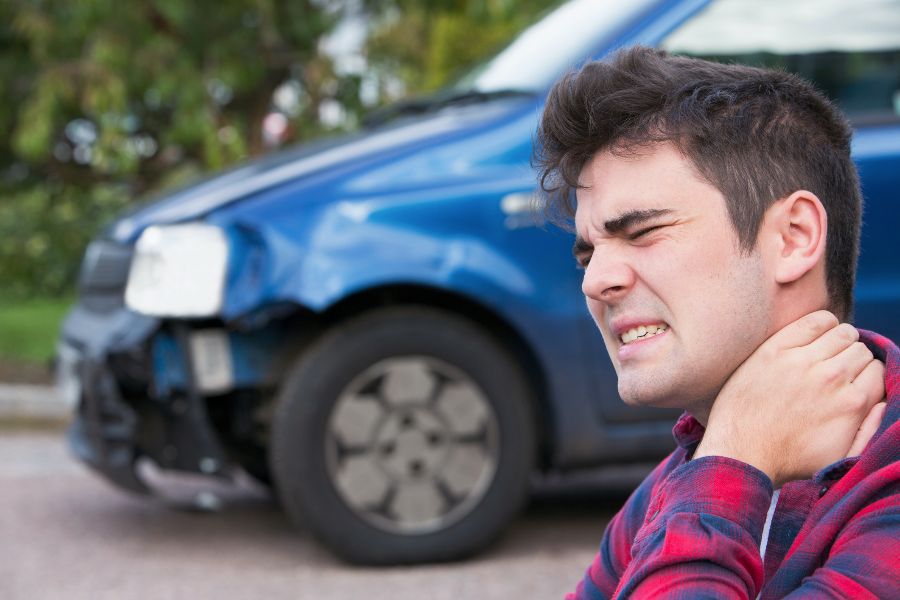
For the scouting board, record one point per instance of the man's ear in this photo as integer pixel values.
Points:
(798, 226)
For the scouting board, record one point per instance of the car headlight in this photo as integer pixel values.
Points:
(178, 271)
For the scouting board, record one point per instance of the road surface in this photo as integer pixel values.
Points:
(64, 533)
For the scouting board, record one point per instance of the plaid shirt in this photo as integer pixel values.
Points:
(692, 529)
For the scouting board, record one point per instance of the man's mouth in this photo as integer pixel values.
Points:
(642, 332)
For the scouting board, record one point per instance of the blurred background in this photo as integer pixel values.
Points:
(106, 103)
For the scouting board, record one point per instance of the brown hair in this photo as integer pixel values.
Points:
(757, 135)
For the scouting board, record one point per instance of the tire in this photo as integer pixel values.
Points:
(404, 436)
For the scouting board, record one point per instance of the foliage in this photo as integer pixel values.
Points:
(28, 330)
(104, 101)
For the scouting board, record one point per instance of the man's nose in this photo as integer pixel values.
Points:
(607, 278)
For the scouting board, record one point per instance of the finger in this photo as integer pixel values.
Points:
(805, 329)
(835, 341)
(867, 429)
(846, 366)
(871, 383)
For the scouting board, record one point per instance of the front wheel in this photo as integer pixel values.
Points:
(404, 436)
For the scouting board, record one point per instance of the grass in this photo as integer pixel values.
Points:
(29, 328)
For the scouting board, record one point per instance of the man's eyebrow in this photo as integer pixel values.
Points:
(633, 217)
(621, 223)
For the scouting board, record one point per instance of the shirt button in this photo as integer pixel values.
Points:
(823, 491)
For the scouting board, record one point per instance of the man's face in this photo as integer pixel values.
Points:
(679, 305)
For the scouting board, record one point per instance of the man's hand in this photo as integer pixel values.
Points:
(808, 396)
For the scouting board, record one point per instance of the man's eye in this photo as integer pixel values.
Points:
(642, 232)
(582, 261)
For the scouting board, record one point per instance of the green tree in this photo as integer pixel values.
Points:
(104, 101)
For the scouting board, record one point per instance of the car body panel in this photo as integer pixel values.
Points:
(877, 154)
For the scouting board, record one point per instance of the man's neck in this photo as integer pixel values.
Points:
(701, 413)
(702, 407)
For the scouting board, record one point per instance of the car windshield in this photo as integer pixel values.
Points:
(559, 41)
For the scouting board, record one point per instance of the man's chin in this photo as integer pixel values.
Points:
(649, 395)
(650, 402)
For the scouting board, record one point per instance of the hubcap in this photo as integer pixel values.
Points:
(412, 444)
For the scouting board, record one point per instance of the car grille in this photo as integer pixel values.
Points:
(104, 273)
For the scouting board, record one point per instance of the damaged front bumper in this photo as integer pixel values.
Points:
(122, 415)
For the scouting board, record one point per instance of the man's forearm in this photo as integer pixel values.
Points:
(702, 533)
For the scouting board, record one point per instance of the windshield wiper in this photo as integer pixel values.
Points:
(429, 104)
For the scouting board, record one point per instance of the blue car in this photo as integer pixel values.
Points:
(383, 329)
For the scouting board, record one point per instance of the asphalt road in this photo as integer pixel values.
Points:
(64, 533)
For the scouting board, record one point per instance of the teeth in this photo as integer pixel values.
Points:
(643, 331)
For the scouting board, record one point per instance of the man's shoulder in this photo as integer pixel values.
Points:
(885, 443)
(882, 455)
(875, 474)
(887, 351)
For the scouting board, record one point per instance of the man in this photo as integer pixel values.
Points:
(717, 213)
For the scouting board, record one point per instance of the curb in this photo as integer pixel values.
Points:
(32, 403)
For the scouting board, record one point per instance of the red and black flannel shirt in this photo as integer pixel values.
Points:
(693, 527)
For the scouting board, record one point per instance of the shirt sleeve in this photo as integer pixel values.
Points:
(603, 575)
(701, 533)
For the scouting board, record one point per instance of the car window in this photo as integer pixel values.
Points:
(850, 50)
(561, 40)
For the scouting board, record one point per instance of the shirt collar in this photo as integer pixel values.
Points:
(687, 431)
